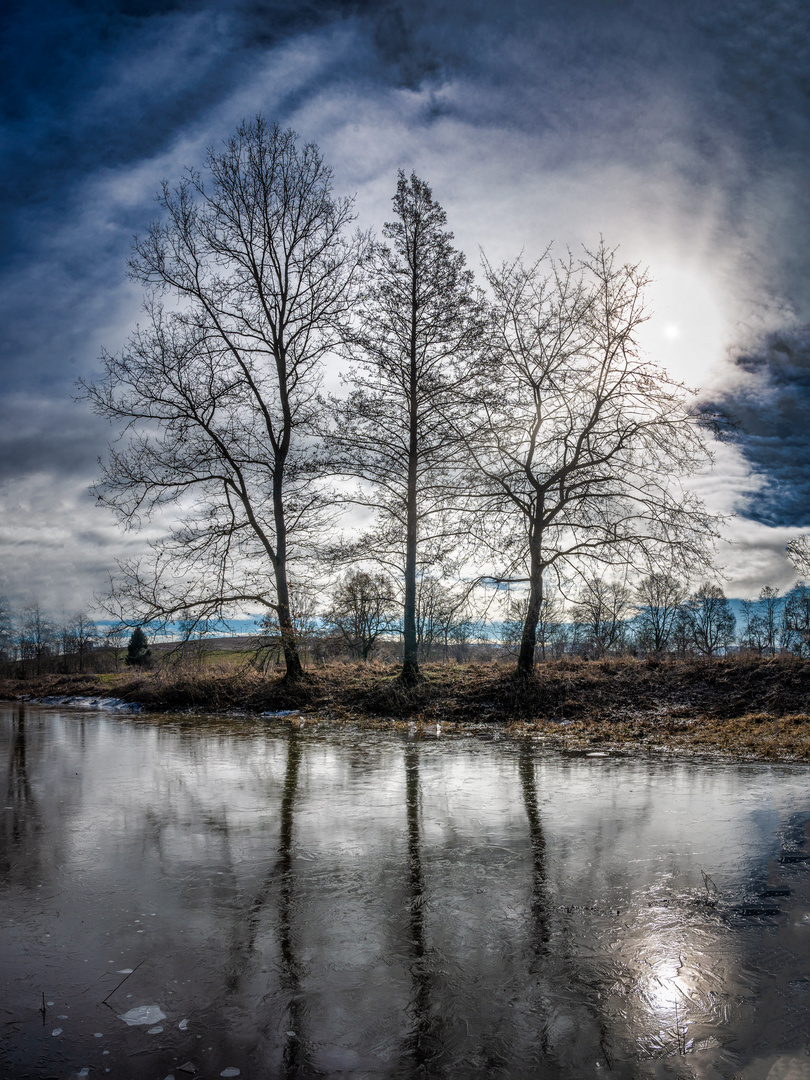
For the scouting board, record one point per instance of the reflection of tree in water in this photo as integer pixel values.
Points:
(546, 957)
(423, 1043)
(21, 824)
(290, 969)
(539, 928)
(281, 873)
(537, 839)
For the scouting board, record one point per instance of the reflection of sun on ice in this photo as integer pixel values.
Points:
(667, 991)
(667, 988)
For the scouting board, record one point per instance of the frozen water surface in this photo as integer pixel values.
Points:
(322, 904)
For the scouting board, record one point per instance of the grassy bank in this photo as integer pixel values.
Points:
(747, 706)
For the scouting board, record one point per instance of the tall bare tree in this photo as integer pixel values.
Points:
(601, 611)
(796, 619)
(219, 393)
(7, 648)
(417, 325)
(363, 608)
(581, 442)
(658, 598)
(710, 620)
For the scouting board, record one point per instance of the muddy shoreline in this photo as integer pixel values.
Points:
(749, 708)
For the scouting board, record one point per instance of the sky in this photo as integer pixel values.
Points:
(678, 131)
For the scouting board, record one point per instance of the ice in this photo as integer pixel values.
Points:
(99, 1034)
(123, 971)
(183, 1025)
(230, 1071)
(143, 1014)
(56, 1031)
(154, 1030)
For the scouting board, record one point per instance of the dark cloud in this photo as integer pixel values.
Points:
(708, 104)
(772, 405)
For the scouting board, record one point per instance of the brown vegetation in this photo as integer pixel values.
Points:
(747, 706)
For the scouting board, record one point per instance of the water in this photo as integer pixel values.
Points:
(292, 902)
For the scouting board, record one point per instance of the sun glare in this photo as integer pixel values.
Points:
(687, 330)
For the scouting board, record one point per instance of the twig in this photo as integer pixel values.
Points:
(106, 999)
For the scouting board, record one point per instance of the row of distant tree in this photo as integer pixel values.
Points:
(361, 618)
(35, 641)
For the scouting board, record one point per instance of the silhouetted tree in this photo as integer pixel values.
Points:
(710, 620)
(219, 391)
(549, 634)
(581, 443)
(7, 648)
(770, 605)
(796, 619)
(418, 321)
(658, 598)
(364, 607)
(601, 611)
(37, 636)
(798, 551)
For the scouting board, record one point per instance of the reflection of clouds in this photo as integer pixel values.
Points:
(453, 901)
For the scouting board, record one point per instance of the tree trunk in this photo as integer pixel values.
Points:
(528, 641)
(410, 659)
(292, 660)
(410, 665)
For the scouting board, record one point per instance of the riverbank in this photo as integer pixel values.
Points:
(754, 707)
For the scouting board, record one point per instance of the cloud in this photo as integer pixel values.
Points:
(678, 130)
(771, 400)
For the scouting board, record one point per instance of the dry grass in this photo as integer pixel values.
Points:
(743, 706)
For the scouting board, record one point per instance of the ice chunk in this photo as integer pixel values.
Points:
(143, 1014)
(183, 1025)
(56, 1031)
(124, 971)
(230, 1071)
(189, 1067)
(99, 1034)
(155, 1030)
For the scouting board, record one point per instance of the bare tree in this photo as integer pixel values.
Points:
(710, 620)
(753, 632)
(549, 632)
(796, 619)
(581, 443)
(601, 610)
(658, 598)
(364, 607)
(115, 638)
(219, 394)
(798, 551)
(37, 636)
(418, 322)
(7, 647)
(770, 604)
